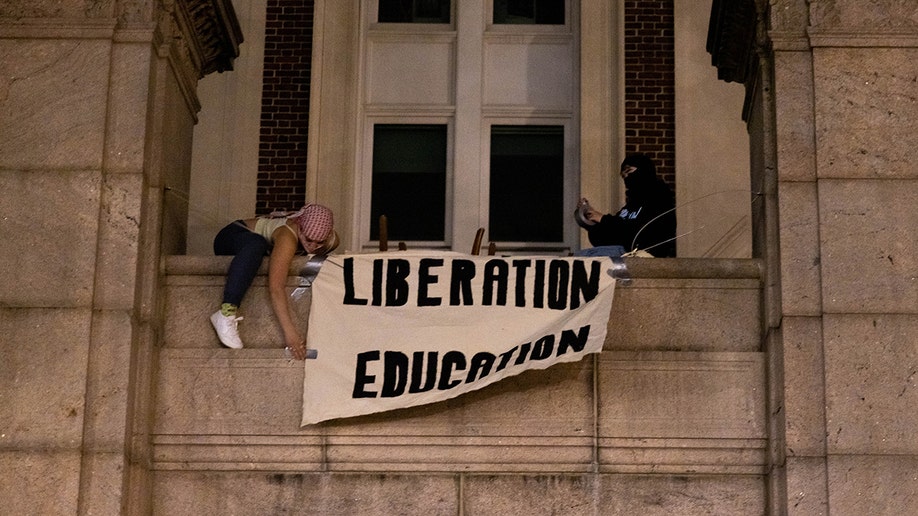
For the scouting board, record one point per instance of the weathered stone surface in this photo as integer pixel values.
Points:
(795, 141)
(52, 103)
(881, 485)
(40, 482)
(804, 399)
(43, 8)
(801, 288)
(56, 214)
(101, 483)
(43, 356)
(806, 487)
(867, 231)
(685, 315)
(871, 383)
(859, 15)
(321, 493)
(654, 495)
(789, 16)
(221, 391)
(681, 395)
(119, 232)
(863, 96)
(108, 375)
(531, 494)
(126, 124)
(502, 427)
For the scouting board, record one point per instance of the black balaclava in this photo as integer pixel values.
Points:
(643, 180)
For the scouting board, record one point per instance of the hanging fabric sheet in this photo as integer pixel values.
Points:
(396, 330)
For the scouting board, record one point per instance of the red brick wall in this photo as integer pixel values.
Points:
(649, 95)
(285, 105)
(650, 101)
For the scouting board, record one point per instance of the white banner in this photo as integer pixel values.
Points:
(406, 328)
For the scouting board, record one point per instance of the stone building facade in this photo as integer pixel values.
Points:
(781, 383)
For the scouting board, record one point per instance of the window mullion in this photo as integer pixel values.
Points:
(469, 176)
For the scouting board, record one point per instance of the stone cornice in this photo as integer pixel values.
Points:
(863, 39)
(731, 39)
(56, 28)
(212, 31)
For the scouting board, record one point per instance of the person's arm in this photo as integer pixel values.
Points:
(285, 246)
(611, 229)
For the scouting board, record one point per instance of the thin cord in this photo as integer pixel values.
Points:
(756, 195)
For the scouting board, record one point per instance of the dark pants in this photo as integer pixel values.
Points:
(248, 250)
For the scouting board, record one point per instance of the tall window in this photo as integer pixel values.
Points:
(409, 181)
(526, 184)
(529, 12)
(468, 120)
(413, 11)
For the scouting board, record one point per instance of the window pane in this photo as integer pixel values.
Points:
(540, 12)
(409, 181)
(527, 184)
(413, 11)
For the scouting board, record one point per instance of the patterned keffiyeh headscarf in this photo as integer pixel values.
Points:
(315, 222)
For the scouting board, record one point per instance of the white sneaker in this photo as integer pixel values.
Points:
(227, 330)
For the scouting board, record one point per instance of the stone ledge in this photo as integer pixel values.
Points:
(223, 410)
(866, 39)
(57, 28)
(685, 268)
(457, 454)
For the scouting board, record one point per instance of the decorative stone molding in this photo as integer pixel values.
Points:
(212, 33)
(789, 17)
(853, 23)
(133, 11)
(731, 40)
(856, 15)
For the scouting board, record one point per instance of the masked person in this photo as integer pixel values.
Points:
(647, 221)
(281, 236)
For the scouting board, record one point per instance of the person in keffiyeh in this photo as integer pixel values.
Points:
(280, 235)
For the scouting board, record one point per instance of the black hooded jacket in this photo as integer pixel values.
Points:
(646, 197)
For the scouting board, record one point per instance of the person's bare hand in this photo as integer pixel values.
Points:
(588, 213)
(298, 350)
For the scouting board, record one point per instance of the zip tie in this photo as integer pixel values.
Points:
(619, 271)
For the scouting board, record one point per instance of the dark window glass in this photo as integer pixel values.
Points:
(409, 181)
(529, 12)
(414, 11)
(527, 184)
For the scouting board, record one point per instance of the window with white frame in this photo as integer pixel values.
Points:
(529, 12)
(470, 122)
(526, 184)
(413, 11)
(409, 181)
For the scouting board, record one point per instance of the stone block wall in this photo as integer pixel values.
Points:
(72, 115)
(96, 109)
(845, 97)
(669, 418)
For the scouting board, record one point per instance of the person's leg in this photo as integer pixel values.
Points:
(248, 250)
